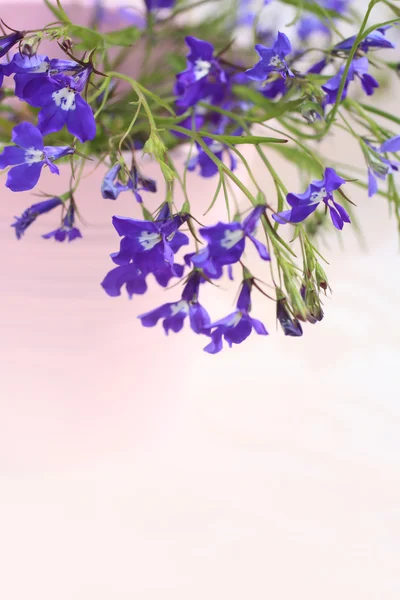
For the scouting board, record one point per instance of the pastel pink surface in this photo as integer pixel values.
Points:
(135, 466)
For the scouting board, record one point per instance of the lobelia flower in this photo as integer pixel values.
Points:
(8, 41)
(67, 231)
(112, 187)
(272, 60)
(207, 166)
(291, 326)
(61, 104)
(30, 215)
(358, 68)
(216, 271)
(134, 278)
(226, 242)
(376, 39)
(203, 75)
(174, 314)
(150, 244)
(156, 4)
(236, 327)
(311, 24)
(28, 157)
(305, 204)
(378, 165)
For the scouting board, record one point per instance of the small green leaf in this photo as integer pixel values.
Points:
(122, 37)
(57, 11)
(88, 39)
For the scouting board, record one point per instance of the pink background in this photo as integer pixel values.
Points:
(136, 466)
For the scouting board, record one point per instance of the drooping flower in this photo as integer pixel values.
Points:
(358, 68)
(67, 231)
(319, 191)
(236, 327)
(207, 166)
(61, 104)
(378, 165)
(111, 186)
(376, 39)
(273, 60)
(174, 314)
(150, 244)
(28, 157)
(8, 41)
(311, 23)
(203, 75)
(290, 325)
(226, 242)
(134, 278)
(30, 215)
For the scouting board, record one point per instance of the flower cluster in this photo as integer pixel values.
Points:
(83, 106)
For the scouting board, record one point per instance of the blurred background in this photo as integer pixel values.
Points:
(136, 466)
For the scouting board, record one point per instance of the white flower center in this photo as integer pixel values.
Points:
(32, 155)
(235, 319)
(216, 146)
(181, 306)
(149, 239)
(42, 68)
(64, 98)
(231, 238)
(277, 62)
(201, 68)
(317, 197)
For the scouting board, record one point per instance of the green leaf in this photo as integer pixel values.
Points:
(273, 109)
(122, 37)
(299, 158)
(88, 39)
(243, 139)
(57, 11)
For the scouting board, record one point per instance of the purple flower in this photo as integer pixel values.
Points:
(112, 187)
(207, 166)
(67, 231)
(202, 77)
(30, 214)
(236, 327)
(28, 157)
(274, 88)
(150, 244)
(59, 98)
(175, 313)
(226, 243)
(8, 41)
(156, 4)
(305, 204)
(311, 24)
(378, 165)
(291, 326)
(272, 60)
(357, 68)
(376, 39)
(134, 278)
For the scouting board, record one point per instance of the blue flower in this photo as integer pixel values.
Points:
(311, 24)
(111, 187)
(156, 4)
(319, 191)
(376, 39)
(28, 157)
(378, 165)
(150, 244)
(358, 68)
(236, 327)
(207, 166)
(30, 214)
(175, 313)
(67, 231)
(226, 243)
(134, 278)
(273, 60)
(291, 326)
(8, 41)
(203, 75)
(59, 98)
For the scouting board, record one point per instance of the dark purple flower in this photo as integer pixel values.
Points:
(274, 87)
(134, 278)
(174, 314)
(376, 39)
(8, 41)
(291, 326)
(156, 4)
(59, 98)
(30, 214)
(111, 187)
(236, 327)
(378, 165)
(226, 243)
(207, 166)
(28, 157)
(358, 68)
(202, 77)
(272, 60)
(67, 231)
(319, 191)
(150, 244)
